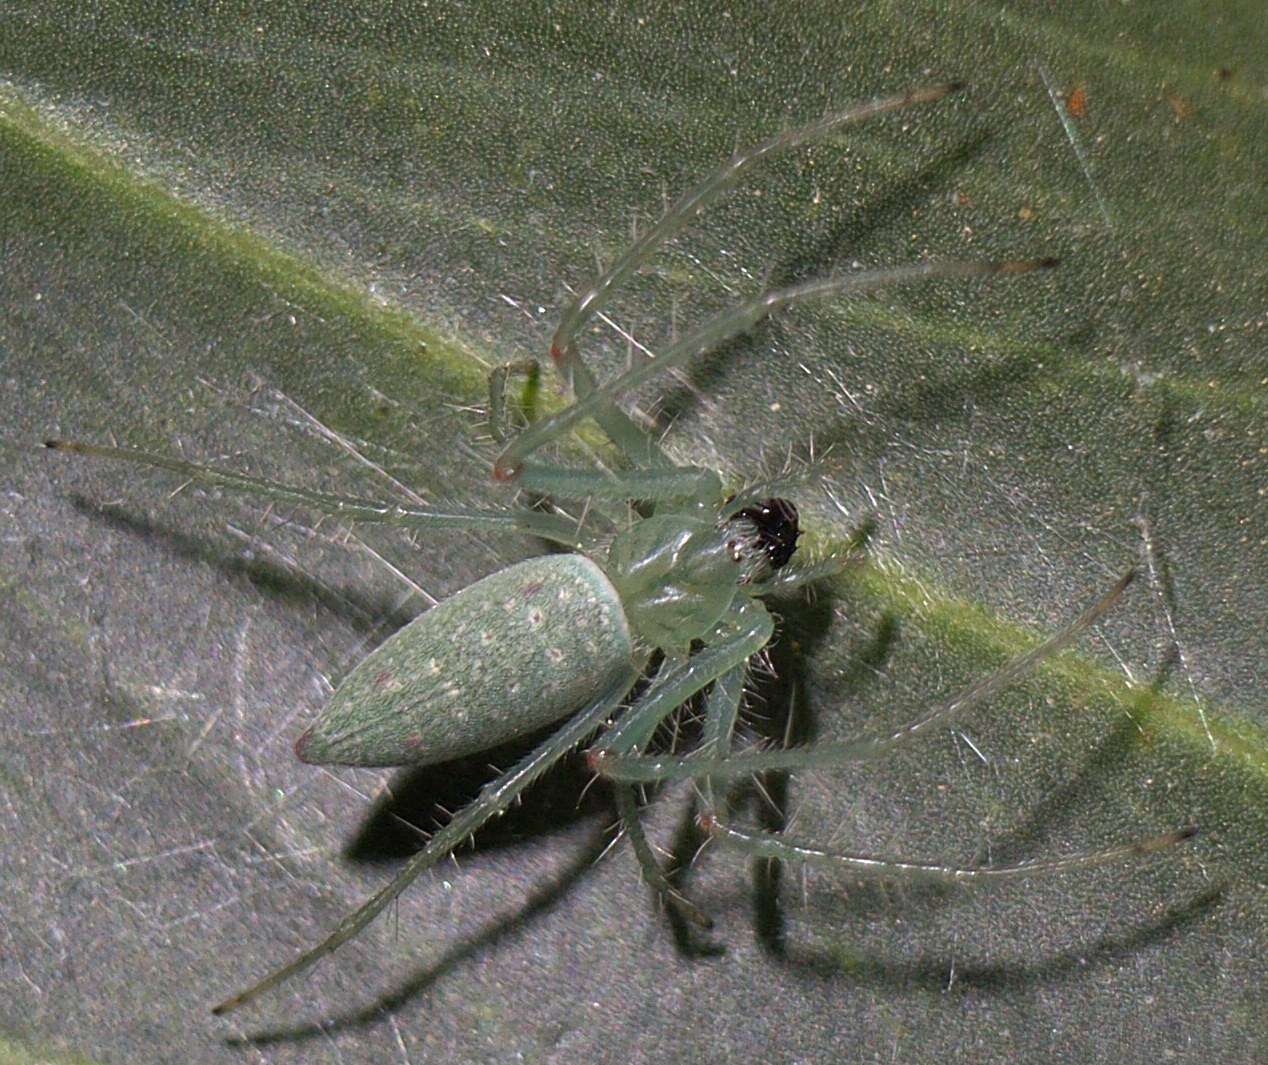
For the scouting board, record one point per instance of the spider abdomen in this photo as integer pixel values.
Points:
(517, 650)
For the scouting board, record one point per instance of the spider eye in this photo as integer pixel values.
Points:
(774, 529)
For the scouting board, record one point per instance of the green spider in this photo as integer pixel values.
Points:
(672, 596)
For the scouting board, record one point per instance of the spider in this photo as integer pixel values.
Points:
(669, 597)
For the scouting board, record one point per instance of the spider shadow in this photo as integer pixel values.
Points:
(936, 972)
(1081, 788)
(536, 904)
(811, 253)
(419, 798)
(566, 794)
(787, 718)
(1028, 838)
(804, 628)
(940, 391)
(367, 614)
(391, 833)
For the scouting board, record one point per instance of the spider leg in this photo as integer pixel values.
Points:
(799, 574)
(638, 446)
(498, 377)
(723, 664)
(722, 766)
(653, 875)
(678, 681)
(650, 483)
(721, 708)
(632, 824)
(653, 480)
(553, 527)
(750, 629)
(587, 304)
(510, 463)
(494, 798)
(773, 845)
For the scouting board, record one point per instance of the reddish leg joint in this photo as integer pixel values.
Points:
(707, 822)
(506, 473)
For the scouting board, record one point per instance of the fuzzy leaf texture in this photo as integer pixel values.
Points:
(293, 238)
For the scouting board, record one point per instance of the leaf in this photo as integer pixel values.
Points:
(294, 242)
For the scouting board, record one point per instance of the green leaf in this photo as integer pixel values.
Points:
(293, 239)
